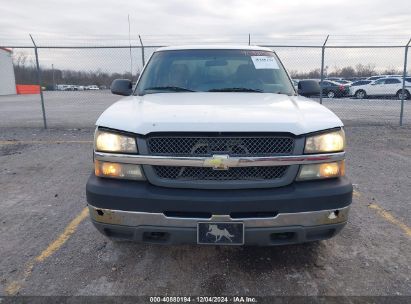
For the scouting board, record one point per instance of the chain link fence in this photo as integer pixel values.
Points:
(75, 79)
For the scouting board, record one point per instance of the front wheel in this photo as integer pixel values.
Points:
(360, 94)
(406, 94)
(331, 94)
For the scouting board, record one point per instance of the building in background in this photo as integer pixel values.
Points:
(7, 78)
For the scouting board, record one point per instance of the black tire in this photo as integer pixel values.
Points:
(360, 94)
(406, 92)
(331, 94)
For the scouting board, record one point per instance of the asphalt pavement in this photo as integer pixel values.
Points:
(49, 246)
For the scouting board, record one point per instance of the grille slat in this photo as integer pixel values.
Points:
(237, 173)
(233, 146)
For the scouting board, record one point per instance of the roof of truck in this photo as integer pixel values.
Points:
(214, 47)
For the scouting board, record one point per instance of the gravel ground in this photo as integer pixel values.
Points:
(42, 182)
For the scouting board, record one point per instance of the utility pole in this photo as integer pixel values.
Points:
(54, 81)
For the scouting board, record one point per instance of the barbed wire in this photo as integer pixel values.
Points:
(101, 40)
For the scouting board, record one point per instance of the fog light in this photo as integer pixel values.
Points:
(117, 170)
(319, 171)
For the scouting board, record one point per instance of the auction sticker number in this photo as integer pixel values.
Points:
(265, 62)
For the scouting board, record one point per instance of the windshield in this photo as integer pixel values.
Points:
(214, 71)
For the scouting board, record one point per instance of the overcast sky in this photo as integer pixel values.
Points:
(102, 19)
(161, 22)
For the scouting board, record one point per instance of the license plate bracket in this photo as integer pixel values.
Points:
(220, 233)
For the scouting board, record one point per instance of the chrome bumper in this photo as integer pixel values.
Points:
(218, 161)
(135, 219)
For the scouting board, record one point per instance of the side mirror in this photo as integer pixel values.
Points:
(122, 87)
(308, 88)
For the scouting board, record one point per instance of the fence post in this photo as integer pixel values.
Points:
(322, 69)
(129, 42)
(142, 51)
(249, 39)
(404, 74)
(39, 82)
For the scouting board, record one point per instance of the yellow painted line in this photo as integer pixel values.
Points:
(62, 238)
(356, 193)
(386, 215)
(14, 287)
(44, 142)
(390, 218)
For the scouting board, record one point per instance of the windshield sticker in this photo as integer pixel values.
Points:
(265, 62)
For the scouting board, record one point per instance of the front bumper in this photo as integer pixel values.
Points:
(282, 229)
(139, 211)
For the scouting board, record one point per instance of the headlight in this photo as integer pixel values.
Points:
(321, 171)
(327, 142)
(117, 170)
(112, 142)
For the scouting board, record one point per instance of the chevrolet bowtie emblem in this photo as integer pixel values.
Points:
(218, 162)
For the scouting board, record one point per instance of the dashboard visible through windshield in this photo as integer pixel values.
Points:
(214, 71)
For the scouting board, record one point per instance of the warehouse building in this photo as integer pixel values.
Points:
(7, 78)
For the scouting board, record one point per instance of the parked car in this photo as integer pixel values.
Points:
(60, 87)
(382, 76)
(382, 87)
(372, 78)
(354, 85)
(93, 87)
(354, 79)
(333, 89)
(343, 81)
(214, 146)
(66, 87)
(334, 79)
(308, 88)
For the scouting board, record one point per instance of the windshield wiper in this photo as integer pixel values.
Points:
(169, 88)
(236, 90)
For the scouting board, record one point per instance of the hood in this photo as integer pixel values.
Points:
(218, 112)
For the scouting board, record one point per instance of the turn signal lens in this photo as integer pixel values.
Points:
(320, 171)
(117, 170)
(327, 142)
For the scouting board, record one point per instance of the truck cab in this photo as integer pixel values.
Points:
(214, 146)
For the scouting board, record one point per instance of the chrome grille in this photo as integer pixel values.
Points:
(206, 174)
(233, 146)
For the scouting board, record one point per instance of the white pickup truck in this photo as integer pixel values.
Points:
(215, 146)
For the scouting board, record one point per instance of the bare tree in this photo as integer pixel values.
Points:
(19, 58)
(391, 70)
(365, 70)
